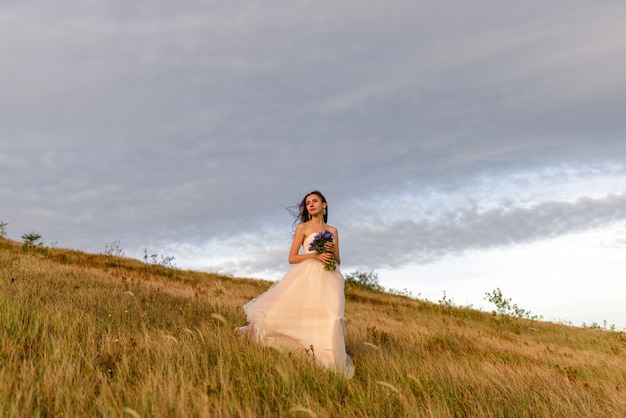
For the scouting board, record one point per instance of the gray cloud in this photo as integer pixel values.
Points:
(418, 242)
(170, 125)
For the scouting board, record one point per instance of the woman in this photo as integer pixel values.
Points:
(305, 310)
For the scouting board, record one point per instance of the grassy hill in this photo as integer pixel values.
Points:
(99, 335)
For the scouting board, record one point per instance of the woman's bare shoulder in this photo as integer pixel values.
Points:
(299, 229)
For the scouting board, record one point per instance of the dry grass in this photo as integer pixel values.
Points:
(96, 335)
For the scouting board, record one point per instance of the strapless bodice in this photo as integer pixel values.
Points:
(307, 242)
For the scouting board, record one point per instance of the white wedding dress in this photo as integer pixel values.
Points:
(303, 311)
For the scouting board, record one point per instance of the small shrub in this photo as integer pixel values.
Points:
(446, 303)
(604, 327)
(505, 309)
(404, 292)
(114, 249)
(3, 229)
(164, 261)
(31, 241)
(368, 280)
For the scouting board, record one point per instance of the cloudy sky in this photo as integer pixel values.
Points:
(462, 146)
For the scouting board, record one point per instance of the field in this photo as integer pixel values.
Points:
(101, 335)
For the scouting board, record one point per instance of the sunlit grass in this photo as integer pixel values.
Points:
(97, 335)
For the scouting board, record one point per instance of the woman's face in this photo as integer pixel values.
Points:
(314, 204)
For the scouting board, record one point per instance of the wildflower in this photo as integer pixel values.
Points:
(319, 246)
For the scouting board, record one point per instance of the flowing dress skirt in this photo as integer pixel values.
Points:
(304, 310)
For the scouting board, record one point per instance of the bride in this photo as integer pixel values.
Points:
(305, 310)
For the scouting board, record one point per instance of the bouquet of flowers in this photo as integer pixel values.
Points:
(318, 245)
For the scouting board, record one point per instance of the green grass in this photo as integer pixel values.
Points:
(95, 335)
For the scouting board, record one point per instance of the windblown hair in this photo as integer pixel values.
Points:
(302, 214)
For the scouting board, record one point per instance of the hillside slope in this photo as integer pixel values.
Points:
(96, 335)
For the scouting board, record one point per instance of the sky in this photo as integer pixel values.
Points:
(463, 147)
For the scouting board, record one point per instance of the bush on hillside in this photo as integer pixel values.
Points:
(368, 280)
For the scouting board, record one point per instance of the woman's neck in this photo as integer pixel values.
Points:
(318, 220)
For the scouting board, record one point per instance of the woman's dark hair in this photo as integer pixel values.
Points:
(302, 215)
